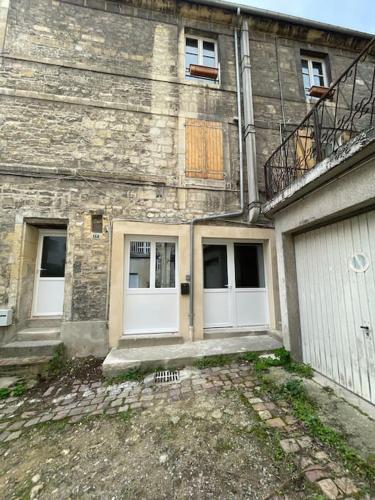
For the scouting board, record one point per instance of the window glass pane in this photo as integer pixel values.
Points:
(248, 263)
(306, 82)
(190, 59)
(53, 257)
(209, 49)
(319, 80)
(139, 267)
(305, 66)
(215, 266)
(192, 45)
(209, 61)
(165, 265)
(317, 68)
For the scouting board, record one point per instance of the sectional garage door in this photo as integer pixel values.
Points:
(336, 290)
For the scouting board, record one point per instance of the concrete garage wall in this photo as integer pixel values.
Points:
(341, 197)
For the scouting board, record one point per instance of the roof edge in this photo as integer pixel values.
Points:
(255, 11)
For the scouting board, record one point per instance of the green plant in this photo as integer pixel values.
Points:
(4, 393)
(307, 412)
(250, 356)
(212, 361)
(19, 390)
(300, 369)
(58, 361)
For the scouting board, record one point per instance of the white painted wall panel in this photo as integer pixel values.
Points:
(335, 301)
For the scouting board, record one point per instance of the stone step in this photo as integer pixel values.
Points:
(52, 333)
(119, 361)
(135, 341)
(44, 322)
(29, 366)
(29, 348)
(226, 333)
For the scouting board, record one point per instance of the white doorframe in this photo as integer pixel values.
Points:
(150, 297)
(259, 295)
(42, 234)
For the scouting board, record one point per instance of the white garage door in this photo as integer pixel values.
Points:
(336, 289)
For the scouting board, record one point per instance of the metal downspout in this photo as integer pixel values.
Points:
(249, 129)
(225, 214)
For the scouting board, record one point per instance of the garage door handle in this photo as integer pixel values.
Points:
(366, 330)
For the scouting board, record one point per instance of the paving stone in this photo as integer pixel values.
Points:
(290, 420)
(264, 414)
(275, 422)
(289, 445)
(46, 418)
(32, 422)
(329, 488)
(123, 408)
(49, 391)
(304, 441)
(346, 485)
(12, 436)
(4, 425)
(117, 402)
(255, 401)
(135, 405)
(4, 435)
(16, 425)
(321, 456)
(60, 415)
(259, 407)
(316, 472)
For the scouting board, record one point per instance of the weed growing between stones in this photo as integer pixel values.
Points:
(58, 361)
(305, 409)
(279, 357)
(16, 391)
(212, 361)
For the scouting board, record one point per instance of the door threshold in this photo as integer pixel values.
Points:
(220, 333)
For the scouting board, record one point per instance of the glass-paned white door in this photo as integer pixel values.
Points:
(151, 294)
(235, 293)
(48, 297)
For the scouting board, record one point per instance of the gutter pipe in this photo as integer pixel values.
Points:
(249, 128)
(225, 214)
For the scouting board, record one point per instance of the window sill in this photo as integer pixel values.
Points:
(212, 85)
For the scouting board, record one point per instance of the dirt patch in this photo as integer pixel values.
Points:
(202, 448)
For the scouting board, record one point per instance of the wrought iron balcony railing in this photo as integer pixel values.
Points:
(346, 109)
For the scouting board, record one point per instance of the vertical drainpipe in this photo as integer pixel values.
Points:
(225, 215)
(249, 128)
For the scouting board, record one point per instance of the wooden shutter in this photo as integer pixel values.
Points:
(204, 149)
(305, 153)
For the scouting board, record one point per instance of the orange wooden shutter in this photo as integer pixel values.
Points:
(204, 149)
(305, 149)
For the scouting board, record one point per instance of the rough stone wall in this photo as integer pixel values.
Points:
(94, 103)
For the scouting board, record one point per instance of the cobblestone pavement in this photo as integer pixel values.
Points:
(17, 415)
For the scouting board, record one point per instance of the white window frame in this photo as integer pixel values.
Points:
(200, 40)
(310, 60)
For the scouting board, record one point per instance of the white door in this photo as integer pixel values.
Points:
(336, 289)
(235, 293)
(151, 288)
(48, 297)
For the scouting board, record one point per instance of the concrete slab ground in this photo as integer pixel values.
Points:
(120, 360)
(357, 427)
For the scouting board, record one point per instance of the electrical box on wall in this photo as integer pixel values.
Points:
(6, 316)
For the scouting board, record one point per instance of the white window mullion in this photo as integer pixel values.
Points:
(152, 264)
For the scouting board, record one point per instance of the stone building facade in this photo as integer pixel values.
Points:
(96, 105)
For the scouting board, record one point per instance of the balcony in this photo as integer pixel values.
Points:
(346, 109)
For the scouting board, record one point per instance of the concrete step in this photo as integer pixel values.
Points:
(29, 366)
(226, 333)
(29, 348)
(44, 322)
(119, 361)
(135, 341)
(52, 333)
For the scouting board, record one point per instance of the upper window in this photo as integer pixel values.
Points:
(314, 73)
(201, 60)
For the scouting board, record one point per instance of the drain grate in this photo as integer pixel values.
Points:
(166, 376)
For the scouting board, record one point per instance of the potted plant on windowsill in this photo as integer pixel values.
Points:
(203, 71)
(317, 91)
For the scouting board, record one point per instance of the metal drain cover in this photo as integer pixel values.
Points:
(166, 376)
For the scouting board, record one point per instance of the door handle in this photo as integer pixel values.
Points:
(228, 286)
(366, 330)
